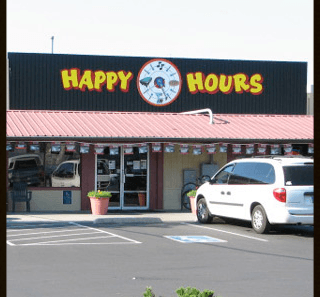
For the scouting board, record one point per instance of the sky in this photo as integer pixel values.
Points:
(273, 30)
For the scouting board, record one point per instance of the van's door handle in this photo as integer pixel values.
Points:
(228, 193)
(222, 193)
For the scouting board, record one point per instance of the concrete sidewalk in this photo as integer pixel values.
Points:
(109, 218)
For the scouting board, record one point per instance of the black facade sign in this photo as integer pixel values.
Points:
(115, 83)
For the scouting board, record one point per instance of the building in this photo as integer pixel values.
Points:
(145, 126)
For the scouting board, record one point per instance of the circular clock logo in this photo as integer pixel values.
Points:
(159, 82)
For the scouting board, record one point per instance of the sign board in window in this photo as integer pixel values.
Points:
(136, 165)
(67, 197)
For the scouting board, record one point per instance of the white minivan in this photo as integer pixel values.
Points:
(265, 191)
(67, 174)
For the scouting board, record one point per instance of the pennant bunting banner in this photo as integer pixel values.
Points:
(249, 149)
(169, 148)
(9, 147)
(156, 148)
(287, 149)
(223, 147)
(262, 149)
(128, 149)
(55, 147)
(275, 149)
(84, 148)
(236, 149)
(20, 146)
(70, 147)
(197, 149)
(34, 146)
(99, 149)
(114, 150)
(211, 148)
(143, 148)
(184, 149)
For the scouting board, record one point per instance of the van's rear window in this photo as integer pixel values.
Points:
(298, 175)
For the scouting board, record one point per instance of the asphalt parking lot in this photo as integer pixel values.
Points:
(52, 258)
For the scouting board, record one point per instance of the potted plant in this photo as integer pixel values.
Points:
(192, 195)
(99, 201)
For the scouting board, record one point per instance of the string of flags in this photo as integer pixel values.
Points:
(197, 149)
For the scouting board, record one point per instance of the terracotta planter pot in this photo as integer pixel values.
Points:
(99, 206)
(192, 204)
(142, 199)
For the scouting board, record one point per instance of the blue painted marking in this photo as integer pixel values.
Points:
(191, 239)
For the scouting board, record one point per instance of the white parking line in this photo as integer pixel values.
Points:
(9, 243)
(29, 227)
(125, 238)
(65, 241)
(29, 238)
(26, 234)
(232, 233)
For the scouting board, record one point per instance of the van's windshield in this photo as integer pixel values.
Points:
(298, 175)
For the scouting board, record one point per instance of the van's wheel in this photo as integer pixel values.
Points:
(259, 220)
(203, 214)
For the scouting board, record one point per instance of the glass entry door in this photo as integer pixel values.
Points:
(135, 177)
(108, 175)
(125, 174)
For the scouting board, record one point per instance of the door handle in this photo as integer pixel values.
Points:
(222, 193)
(228, 193)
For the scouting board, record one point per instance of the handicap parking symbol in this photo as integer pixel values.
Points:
(195, 239)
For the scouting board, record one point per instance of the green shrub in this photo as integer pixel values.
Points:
(192, 193)
(148, 293)
(193, 292)
(99, 194)
(183, 292)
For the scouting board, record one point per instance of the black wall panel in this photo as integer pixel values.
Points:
(35, 83)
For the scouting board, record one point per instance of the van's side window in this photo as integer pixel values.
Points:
(223, 176)
(252, 173)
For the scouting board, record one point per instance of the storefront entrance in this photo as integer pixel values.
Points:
(124, 172)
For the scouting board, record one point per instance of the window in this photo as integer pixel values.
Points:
(223, 176)
(252, 173)
(65, 171)
(102, 167)
(298, 175)
(36, 168)
(23, 164)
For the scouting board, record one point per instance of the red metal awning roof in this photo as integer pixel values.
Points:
(152, 127)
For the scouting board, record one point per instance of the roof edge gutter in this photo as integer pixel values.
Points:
(157, 139)
(208, 110)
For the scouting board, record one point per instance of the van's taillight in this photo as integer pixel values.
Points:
(280, 194)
